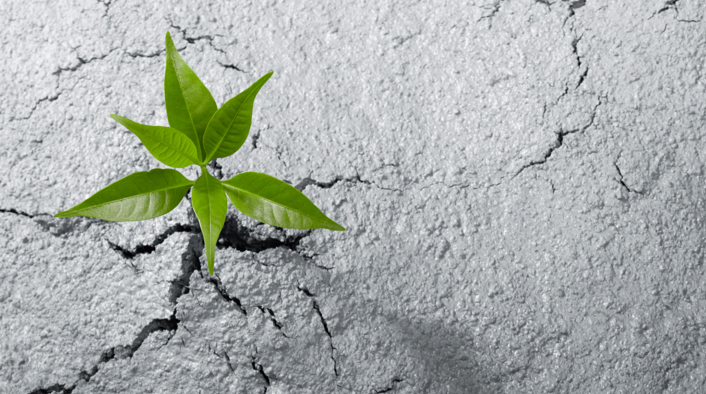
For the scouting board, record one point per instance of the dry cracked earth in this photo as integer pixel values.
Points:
(521, 182)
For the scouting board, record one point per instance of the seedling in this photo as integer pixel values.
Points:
(200, 132)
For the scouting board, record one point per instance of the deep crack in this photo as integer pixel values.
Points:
(258, 367)
(330, 338)
(622, 182)
(273, 319)
(81, 62)
(119, 352)
(216, 281)
(142, 249)
(234, 235)
(231, 66)
(391, 387)
(217, 169)
(558, 142)
(34, 107)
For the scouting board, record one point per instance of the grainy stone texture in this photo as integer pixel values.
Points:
(521, 182)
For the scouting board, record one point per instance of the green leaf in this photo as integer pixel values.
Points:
(139, 196)
(230, 125)
(210, 205)
(189, 103)
(166, 144)
(269, 200)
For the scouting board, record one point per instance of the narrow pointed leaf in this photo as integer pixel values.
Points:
(139, 196)
(210, 205)
(230, 125)
(189, 103)
(272, 201)
(168, 145)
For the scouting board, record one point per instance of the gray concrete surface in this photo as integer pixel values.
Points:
(521, 181)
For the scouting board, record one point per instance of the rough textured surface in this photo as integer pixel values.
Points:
(521, 182)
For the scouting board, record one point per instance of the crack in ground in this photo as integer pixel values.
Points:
(34, 107)
(254, 139)
(218, 285)
(143, 249)
(274, 321)
(391, 387)
(231, 66)
(582, 76)
(234, 235)
(138, 54)
(258, 367)
(327, 185)
(192, 40)
(119, 352)
(21, 213)
(81, 62)
(217, 169)
(558, 142)
(323, 322)
(622, 182)
(180, 286)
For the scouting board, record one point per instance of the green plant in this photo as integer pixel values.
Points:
(200, 132)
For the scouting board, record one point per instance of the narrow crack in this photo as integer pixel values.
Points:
(180, 286)
(234, 235)
(138, 54)
(21, 213)
(230, 66)
(582, 76)
(391, 387)
(558, 142)
(255, 137)
(258, 367)
(119, 352)
(107, 4)
(36, 105)
(327, 185)
(330, 338)
(81, 62)
(143, 249)
(217, 169)
(218, 285)
(622, 182)
(273, 319)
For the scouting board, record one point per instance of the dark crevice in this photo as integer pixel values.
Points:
(622, 182)
(327, 185)
(34, 107)
(273, 319)
(668, 5)
(25, 214)
(180, 285)
(138, 54)
(231, 66)
(218, 285)
(258, 367)
(81, 62)
(190, 263)
(192, 40)
(107, 4)
(240, 238)
(255, 137)
(118, 352)
(306, 291)
(230, 366)
(558, 142)
(326, 329)
(142, 249)
(217, 169)
(391, 387)
(57, 388)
